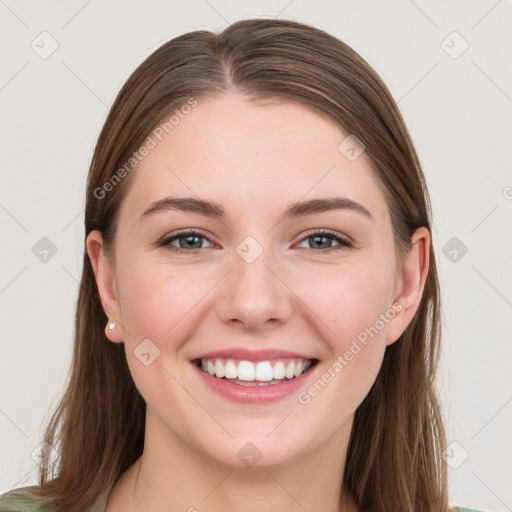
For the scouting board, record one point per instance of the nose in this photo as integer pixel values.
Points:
(254, 295)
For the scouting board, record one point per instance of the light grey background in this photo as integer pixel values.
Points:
(459, 112)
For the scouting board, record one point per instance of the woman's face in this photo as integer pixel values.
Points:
(254, 292)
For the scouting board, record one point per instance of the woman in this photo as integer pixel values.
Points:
(257, 325)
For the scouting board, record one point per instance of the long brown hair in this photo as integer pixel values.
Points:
(394, 458)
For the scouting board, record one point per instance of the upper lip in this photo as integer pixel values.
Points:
(251, 355)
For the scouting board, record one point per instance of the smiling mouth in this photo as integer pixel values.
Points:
(261, 373)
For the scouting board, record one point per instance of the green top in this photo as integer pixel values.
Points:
(16, 505)
(9, 504)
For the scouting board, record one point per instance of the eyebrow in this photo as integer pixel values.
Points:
(186, 204)
(320, 205)
(215, 210)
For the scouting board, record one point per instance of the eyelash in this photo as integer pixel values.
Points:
(344, 243)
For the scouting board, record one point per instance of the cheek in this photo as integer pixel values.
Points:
(350, 301)
(355, 306)
(155, 297)
(156, 303)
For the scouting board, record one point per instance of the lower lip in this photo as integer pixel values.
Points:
(253, 394)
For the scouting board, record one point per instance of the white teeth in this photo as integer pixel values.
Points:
(279, 370)
(246, 370)
(264, 372)
(230, 370)
(219, 369)
(290, 371)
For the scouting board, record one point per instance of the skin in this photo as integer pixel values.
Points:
(254, 160)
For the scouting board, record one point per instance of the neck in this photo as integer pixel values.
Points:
(181, 478)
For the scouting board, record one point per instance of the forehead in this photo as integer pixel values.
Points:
(251, 156)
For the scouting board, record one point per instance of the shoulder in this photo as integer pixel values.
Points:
(10, 503)
(461, 509)
(19, 500)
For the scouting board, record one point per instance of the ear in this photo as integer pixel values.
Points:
(410, 284)
(104, 273)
